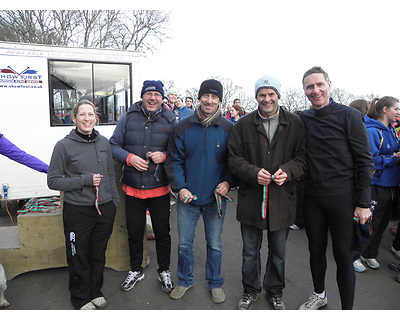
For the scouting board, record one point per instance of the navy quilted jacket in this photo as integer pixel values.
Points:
(137, 134)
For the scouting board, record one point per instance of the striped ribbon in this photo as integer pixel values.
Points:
(218, 198)
(264, 205)
(96, 203)
(190, 198)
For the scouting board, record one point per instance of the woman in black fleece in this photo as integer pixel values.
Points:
(82, 167)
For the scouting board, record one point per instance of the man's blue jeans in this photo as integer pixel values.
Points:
(274, 279)
(188, 215)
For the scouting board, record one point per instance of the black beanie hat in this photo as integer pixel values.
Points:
(211, 86)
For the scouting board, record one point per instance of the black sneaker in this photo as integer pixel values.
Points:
(395, 266)
(247, 301)
(166, 283)
(277, 302)
(131, 279)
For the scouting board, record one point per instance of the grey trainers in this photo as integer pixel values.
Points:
(88, 306)
(247, 301)
(371, 262)
(277, 303)
(314, 303)
(217, 295)
(358, 266)
(396, 252)
(100, 302)
(165, 278)
(131, 279)
(179, 291)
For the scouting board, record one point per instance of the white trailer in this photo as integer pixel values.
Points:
(39, 85)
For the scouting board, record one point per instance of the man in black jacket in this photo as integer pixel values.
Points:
(337, 186)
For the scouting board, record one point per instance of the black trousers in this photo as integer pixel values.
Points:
(86, 237)
(333, 213)
(159, 208)
(383, 199)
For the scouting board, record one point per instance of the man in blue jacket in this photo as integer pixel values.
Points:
(197, 170)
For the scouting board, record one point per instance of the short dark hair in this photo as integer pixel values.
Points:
(316, 70)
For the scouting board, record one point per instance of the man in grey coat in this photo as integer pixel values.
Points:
(267, 153)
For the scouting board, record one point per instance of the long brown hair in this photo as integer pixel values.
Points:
(375, 110)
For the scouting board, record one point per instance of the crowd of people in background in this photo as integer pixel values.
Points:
(328, 168)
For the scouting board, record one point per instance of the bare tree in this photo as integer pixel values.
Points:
(138, 30)
(26, 26)
(293, 99)
(141, 28)
(342, 96)
(233, 91)
(67, 25)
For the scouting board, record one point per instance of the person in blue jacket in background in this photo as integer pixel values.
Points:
(181, 110)
(385, 147)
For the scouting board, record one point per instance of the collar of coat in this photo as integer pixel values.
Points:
(282, 117)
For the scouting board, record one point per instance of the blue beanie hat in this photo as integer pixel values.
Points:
(152, 85)
(268, 82)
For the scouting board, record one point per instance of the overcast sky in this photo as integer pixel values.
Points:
(356, 42)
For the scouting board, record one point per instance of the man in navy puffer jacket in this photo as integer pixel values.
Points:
(140, 142)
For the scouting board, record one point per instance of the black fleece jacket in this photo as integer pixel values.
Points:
(339, 157)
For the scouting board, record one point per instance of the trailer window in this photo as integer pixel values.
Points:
(105, 84)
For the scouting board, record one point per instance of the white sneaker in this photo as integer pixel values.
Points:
(396, 252)
(358, 266)
(314, 302)
(371, 262)
(131, 279)
(294, 227)
(166, 283)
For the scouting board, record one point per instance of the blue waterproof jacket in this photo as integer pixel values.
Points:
(184, 112)
(383, 142)
(198, 158)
